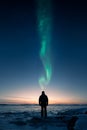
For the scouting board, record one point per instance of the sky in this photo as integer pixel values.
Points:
(20, 62)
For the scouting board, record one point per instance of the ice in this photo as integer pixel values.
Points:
(81, 123)
(27, 117)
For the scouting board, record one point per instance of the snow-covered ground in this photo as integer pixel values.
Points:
(66, 118)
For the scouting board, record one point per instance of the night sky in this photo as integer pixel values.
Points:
(20, 63)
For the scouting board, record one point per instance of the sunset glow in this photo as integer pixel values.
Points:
(30, 96)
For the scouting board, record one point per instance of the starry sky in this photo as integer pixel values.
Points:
(20, 63)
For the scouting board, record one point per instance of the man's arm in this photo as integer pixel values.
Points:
(47, 101)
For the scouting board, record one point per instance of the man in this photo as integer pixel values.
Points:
(43, 102)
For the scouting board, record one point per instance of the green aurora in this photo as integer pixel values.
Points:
(44, 29)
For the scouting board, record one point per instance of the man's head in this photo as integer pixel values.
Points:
(43, 92)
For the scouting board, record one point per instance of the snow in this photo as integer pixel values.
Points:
(81, 123)
(68, 119)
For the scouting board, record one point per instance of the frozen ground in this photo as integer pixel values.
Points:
(28, 118)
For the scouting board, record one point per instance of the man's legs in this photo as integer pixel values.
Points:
(45, 111)
(41, 111)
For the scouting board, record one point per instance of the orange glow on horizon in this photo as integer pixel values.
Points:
(35, 101)
(31, 96)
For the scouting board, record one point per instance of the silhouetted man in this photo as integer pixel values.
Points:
(43, 102)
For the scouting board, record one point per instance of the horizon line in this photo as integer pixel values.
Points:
(48, 104)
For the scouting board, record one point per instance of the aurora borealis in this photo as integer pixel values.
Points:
(44, 28)
(43, 45)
